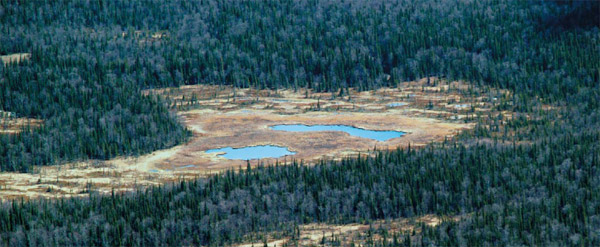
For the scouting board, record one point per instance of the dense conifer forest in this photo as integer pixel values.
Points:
(533, 181)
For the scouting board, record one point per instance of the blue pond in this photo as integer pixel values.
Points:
(379, 135)
(186, 166)
(254, 152)
(396, 104)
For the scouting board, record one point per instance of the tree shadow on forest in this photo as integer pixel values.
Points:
(577, 15)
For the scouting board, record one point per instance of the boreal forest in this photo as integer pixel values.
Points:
(530, 180)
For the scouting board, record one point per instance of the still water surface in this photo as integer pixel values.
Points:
(250, 153)
(379, 135)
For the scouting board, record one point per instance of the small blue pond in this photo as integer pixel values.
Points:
(379, 135)
(183, 167)
(254, 152)
(397, 104)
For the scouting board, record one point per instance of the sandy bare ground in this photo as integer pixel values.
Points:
(14, 58)
(223, 116)
(323, 234)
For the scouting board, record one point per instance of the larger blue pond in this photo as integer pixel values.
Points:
(254, 152)
(379, 135)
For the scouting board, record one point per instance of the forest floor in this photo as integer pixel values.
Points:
(14, 58)
(225, 116)
(344, 235)
(9, 124)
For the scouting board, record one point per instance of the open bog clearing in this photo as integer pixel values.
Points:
(346, 235)
(229, 119)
